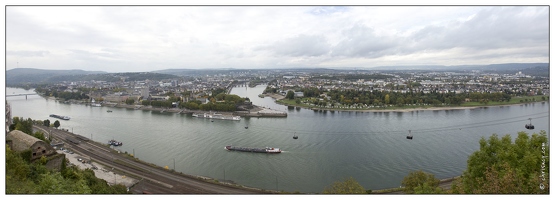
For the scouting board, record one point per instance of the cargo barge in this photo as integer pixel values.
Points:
(255, 150)
(60, 117)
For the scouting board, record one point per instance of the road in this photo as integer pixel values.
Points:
(444, 184)
(154, 179)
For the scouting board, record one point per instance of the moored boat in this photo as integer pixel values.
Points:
(217, 116)
(93, 104)
(255, 150)
(115, 143)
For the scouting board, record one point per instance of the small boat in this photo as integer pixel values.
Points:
(115, 143)
(254, 150)
(295, 137)
(529, 126)
(93, 104)
(409, 136)
(109, 111)
(246, 127)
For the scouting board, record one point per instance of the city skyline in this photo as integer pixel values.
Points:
(149, 38)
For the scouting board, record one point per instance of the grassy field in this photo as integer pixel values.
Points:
(514, 100)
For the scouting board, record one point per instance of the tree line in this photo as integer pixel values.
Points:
(380, 98)
(80, 94)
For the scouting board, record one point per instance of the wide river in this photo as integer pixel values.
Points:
(368, 146)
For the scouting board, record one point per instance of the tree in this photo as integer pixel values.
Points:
(503, 167)
(57, 124)
(420, 182)
(349, 186)
(386, 99)
(25, 126)
(129, 101)
(290, 95)
(47, 123)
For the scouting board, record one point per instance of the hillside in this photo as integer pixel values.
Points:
(22, 76)
(30, 75)
(492, 67)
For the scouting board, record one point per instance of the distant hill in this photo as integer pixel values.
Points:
(492, 67)
(24, 76)
(201, 72)
(30, 75)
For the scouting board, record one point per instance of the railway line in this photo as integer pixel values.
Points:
(156, 179)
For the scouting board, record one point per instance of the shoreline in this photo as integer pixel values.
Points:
(280, 97)
(256, 111)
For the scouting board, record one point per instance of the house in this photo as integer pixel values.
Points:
(21, 142)
(203, 100)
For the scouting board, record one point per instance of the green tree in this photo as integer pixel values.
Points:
(503, 167)
(348, 186)
(420, 182)
(57, 124)
(427, 189)
(46, 123)
(129, 101)
(290, 95)
(386, 99)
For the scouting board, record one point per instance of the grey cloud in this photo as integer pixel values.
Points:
(362, 41)
(302, 45)
(86, 55)
(507, 27)
(27, 53)
(21, 29)
(327, 10)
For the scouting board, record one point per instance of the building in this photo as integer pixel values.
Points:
(145, 92)
(299, 94)
(20, 142)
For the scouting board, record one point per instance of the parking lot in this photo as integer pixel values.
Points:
(99, 170)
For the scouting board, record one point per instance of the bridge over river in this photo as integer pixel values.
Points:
(14, 95)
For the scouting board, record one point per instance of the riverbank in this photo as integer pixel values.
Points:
(444, 184)
(256, 111)
(279, 100)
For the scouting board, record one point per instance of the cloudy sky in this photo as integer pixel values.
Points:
(148, 38)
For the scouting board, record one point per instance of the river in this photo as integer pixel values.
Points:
(368, 146)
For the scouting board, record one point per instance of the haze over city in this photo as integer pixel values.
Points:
(149, 38)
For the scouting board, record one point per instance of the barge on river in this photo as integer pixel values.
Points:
(60, 117)
(255, 150)
(217, 116)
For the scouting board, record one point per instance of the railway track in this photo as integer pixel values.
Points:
(177, 183)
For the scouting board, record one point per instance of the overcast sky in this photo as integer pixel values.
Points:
(148, 38)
